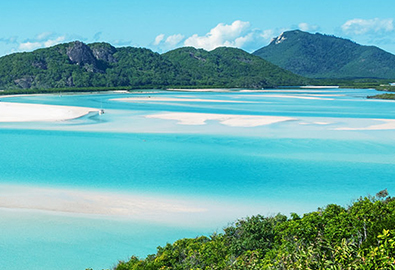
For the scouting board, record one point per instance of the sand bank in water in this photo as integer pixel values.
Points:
(387, 124)
(201, 90)
(23, 112)
(137, 99)
(225, 119)
(298, 97)
(90, 202)
(118, 205)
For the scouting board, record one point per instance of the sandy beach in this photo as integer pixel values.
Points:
(225, 119)
(24, 112)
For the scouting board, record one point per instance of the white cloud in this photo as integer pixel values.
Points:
(221, 35)
(123, 43)
(174, 40)
(163, 43)
(238, 34)
(29, 46)
(361, 26)
(53, 42)
(43, 35)
(268, 34)
(307, 27)
(240, 41)
(159, 39)
(43, 40)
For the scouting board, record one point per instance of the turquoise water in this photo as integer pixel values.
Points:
(291, 166)
(37, 240)
(185, 164)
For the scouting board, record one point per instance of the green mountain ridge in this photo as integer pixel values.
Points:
(77, 65)
(323, 56)
(230, 66)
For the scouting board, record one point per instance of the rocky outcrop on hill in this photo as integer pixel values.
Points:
(80, 54)
(103, 51)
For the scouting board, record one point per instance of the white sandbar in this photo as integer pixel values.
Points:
(168, 209)
(299, 97)
(90, 202)
(201, 90)
(319, 87)
(137, 99)
(184, 118)
(24, 112)
(286, 91)
(388, 124)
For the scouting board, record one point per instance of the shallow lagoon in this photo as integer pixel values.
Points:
(103, 187)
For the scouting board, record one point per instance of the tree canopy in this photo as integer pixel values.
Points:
(361, 236)
(77, 65)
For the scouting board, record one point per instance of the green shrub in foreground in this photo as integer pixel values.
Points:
(361, 236)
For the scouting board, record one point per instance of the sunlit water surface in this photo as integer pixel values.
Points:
(332, 150)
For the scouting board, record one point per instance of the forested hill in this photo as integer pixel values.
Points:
(230, 66)
(323, 56)
(75, 64)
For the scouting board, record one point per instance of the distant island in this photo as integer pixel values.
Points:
(360, 236)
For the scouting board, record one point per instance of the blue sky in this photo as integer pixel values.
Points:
(162, 25)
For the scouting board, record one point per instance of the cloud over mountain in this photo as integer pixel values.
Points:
(45, 39)
(238, 34)
(230, 35)
(307, 27)
(361, 26)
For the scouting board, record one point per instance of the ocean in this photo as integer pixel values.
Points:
(164, 165)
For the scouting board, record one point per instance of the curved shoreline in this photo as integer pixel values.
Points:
(26, 112)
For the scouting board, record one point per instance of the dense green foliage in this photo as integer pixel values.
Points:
(383, 87)
(322, 56)
(230, 67)
(77, 65)
(383, 96)
(361, 236)
(355, 83)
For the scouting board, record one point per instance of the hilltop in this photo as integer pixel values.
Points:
(323, 56)
(230, 66)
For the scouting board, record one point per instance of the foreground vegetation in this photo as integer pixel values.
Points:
(361, 236)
